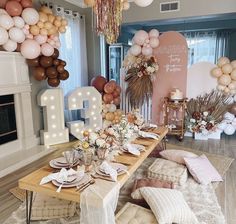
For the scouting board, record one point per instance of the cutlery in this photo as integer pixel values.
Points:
(59, 188)
(86, 185)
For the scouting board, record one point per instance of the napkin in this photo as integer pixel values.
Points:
(62, 176)
(152, 125)
(148, 135)
(108, 169)
(133, 149)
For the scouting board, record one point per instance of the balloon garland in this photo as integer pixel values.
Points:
(111, 99)
(49, 68)
(225, 72)
(141, 66)
(36, 35)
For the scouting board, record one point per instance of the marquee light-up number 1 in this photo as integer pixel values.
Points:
(54, 132)
(89, 101)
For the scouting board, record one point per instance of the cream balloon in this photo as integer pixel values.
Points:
(147, 51)
(224, 80)
(222, 61)
(6, 21)
(226, 90)
(233, 63)
(10, 45)
(3, 36)
(112, 108)
(140, 37)
(233, 74)
(143, 3)
(216, 72)
(154, 42)
(227, 68)
(221, 87)
(153, 33)
(16, 34)
(233, 91)
(232, 85)
(30, 16)
(19, 22)
(126, 5)
(135, 50)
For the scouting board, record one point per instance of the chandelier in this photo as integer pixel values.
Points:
(108, 16)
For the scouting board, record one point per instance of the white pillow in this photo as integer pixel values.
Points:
(177, 155)
(168, 206)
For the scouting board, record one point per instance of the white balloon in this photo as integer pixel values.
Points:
(3, 11)
(153, 33)
(143, 3)
(19, 22)
(6, 21)
(135, 50)
(140, 37)
(229, 130)
(222, 125)
(30, 16)
(154, 42)
(10, 45)
(3, 36)
(16, 34)
(112, 108)
(229, 116)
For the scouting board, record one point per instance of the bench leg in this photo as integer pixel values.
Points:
(29, 199)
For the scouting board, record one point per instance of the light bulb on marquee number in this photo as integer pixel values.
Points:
(86, 99)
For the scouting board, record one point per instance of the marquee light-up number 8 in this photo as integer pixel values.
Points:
(89, 101)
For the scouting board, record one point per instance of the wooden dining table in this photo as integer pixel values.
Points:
(30, 183)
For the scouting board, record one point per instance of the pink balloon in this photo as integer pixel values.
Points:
(135, 50)
(30, 36)
(26, 26)
(140, 37)
(153, 33)
(51, 42)
(41, 39)
(58, 44)
(25, 31)
(14, 8)
(26, 3)
(147, 51)
(30, 49)
(47, 49)
(154, 42)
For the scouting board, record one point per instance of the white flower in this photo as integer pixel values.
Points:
(203, 123)
(100, 142)
(110, 131)
(92, 137)
(192, 120)
(205, 113)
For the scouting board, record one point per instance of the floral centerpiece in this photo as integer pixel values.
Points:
(206, 111)
(140, 73)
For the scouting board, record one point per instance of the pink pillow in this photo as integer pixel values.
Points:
(176, 155)
(202, 170)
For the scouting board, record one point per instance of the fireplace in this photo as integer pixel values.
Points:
(8, 131)
(16, 118)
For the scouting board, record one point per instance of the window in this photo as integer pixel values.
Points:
(206, 46)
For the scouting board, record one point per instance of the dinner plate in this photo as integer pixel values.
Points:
(56, 165)
(86, 178)
(120, 168)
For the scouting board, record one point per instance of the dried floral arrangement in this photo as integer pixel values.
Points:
(141, 72)
(206, 111)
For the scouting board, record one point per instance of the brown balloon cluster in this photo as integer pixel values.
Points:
(50, 68)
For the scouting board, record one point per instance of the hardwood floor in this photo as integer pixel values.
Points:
(226, 191)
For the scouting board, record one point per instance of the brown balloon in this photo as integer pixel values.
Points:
(64, 75)
(33, 62)
(98, 82)
(60, 68)
(56, 62)
(51, 72)
(233, 109)
(55, 54)
(39, 73)
(45, 61)
(53, 82)
(63, 63)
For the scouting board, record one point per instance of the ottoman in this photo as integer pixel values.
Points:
(166, 170)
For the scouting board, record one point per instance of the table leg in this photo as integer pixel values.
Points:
(28, 206)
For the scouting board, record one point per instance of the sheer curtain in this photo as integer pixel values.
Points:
(74, 51)
(207, 45)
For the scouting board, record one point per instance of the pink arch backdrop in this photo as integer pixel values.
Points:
(172, 56)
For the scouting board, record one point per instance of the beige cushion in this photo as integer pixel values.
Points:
(134, 214)
(45, 207)
(168, 206)
(166, 170)
(177, 155)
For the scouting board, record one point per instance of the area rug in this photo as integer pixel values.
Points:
(202, 199)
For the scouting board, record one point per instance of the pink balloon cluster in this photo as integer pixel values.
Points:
(17, 20)
(225, 72)
(144, 43)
